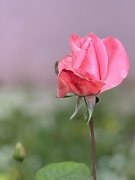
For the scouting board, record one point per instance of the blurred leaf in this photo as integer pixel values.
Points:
(64, 171)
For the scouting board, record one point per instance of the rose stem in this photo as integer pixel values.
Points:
(93, 148)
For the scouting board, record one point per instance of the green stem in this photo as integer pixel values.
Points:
(19, 171)
(93, 148)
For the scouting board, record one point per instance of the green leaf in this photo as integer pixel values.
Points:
(64, 171)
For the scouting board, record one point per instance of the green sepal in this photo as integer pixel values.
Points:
(90, 104)
(97, 100)
(78, 105)
(56, 67)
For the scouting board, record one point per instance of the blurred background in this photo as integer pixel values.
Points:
(33, 36)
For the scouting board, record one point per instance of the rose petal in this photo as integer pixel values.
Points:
(75, 44)
(65, 63)
(118, 63)
(82, 73)
(78, 85)
(101, 55)
(79, 47)
(84, 55)
(90, 63)
(63, 88)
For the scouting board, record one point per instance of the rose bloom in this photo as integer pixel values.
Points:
(94, 66)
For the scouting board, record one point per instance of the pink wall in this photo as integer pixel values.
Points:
(35, 33)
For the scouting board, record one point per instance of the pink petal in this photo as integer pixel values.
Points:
(65, 63)
(63, 88)
(118, 63)
(78, 85)
(101, 55)
(84, 55)
(79, 48)
(90, 63)
(75, 44)
(82, 73)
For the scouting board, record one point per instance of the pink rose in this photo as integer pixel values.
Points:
(93, 66)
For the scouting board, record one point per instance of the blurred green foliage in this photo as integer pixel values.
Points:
(40, 121)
